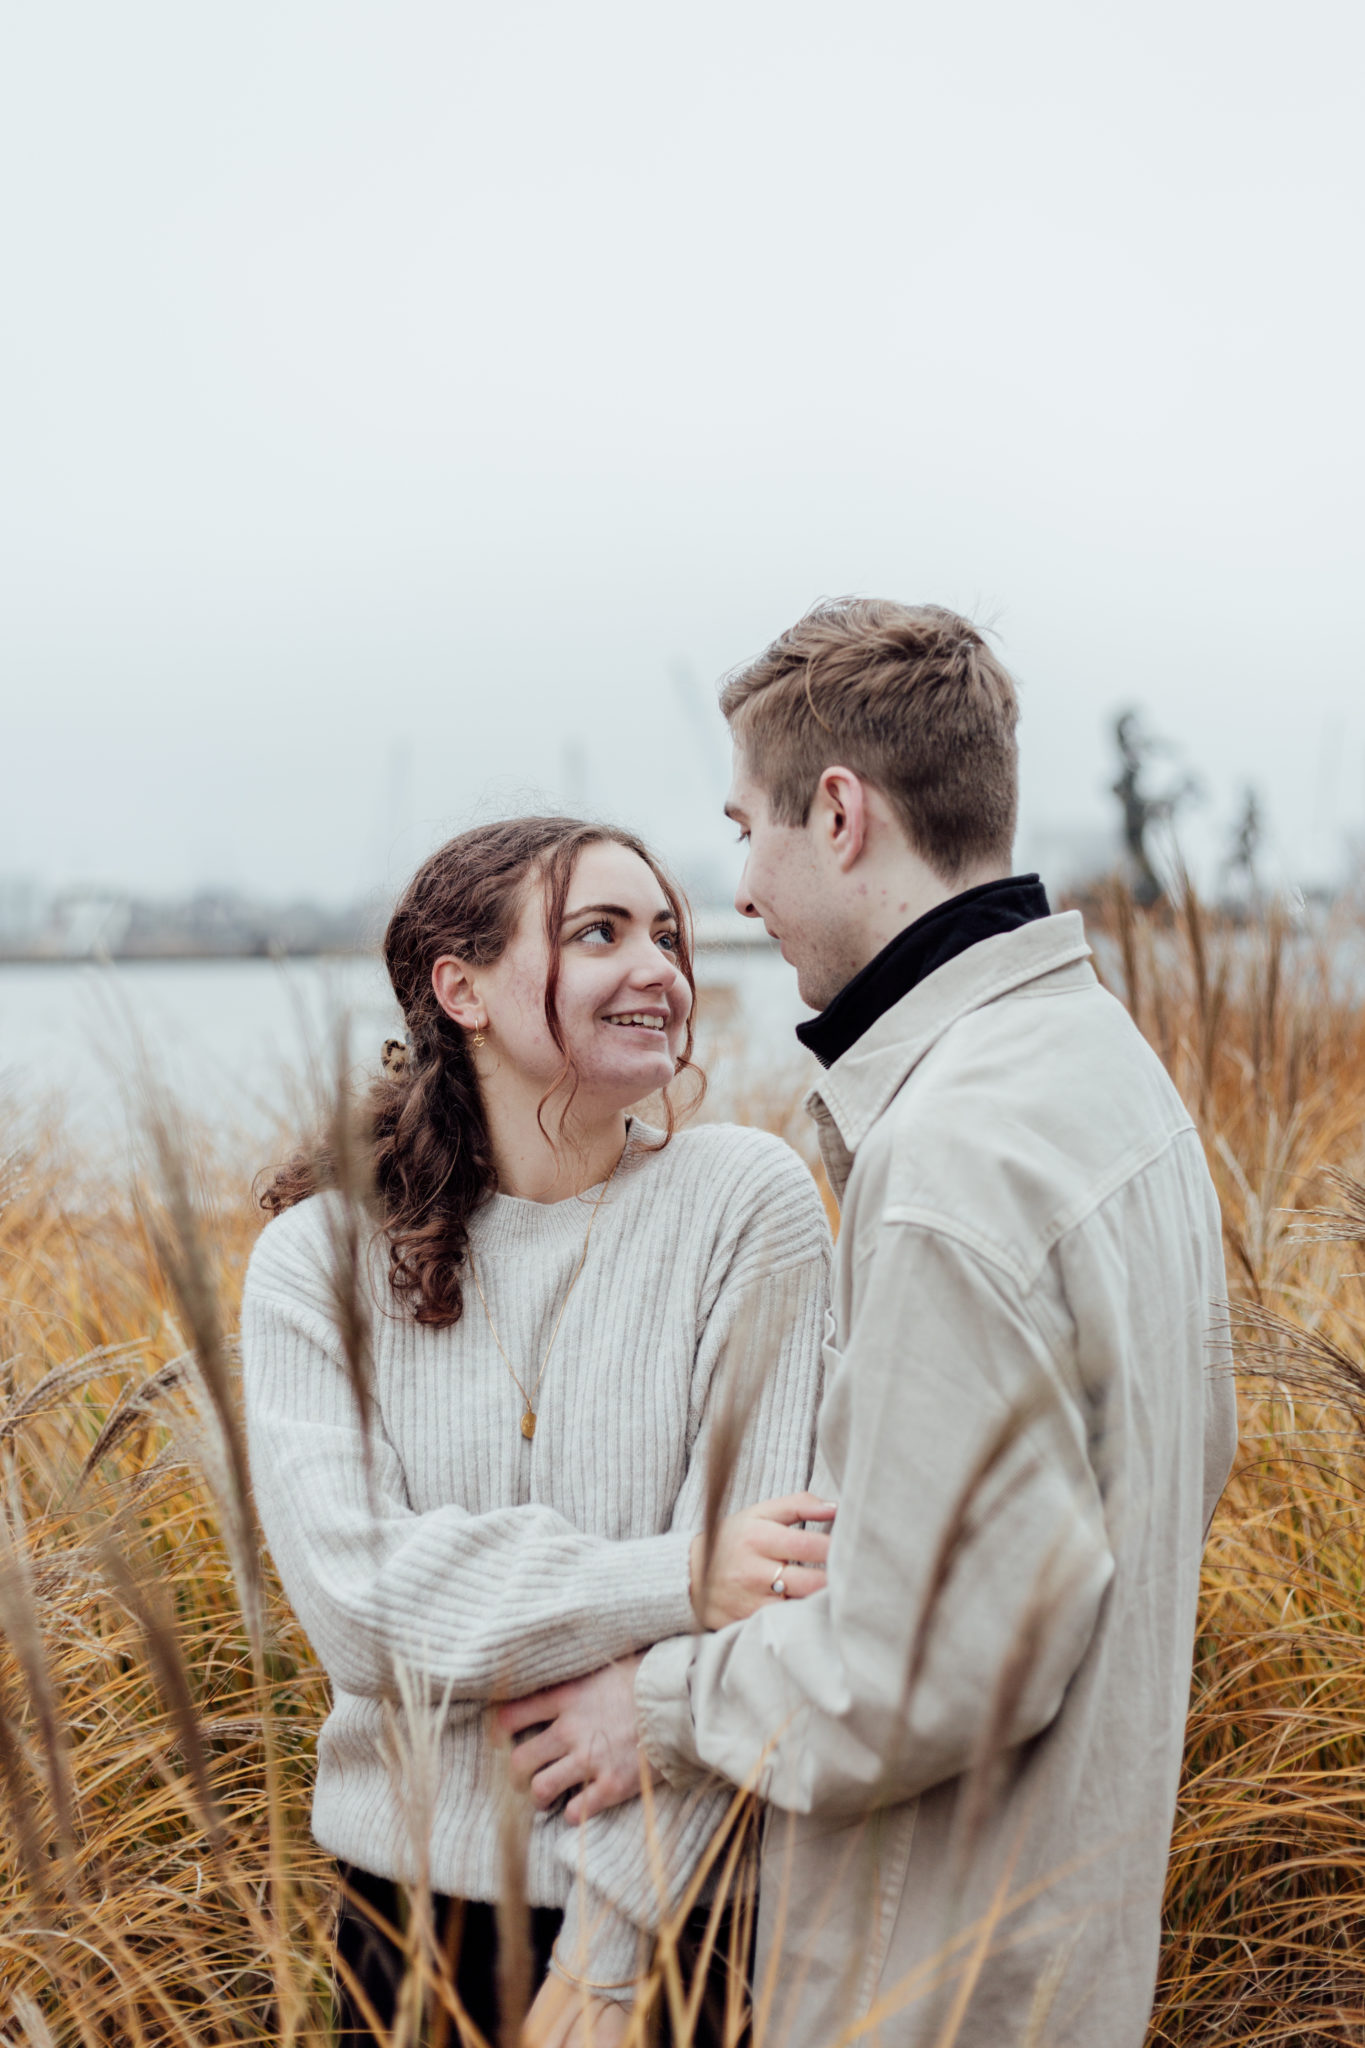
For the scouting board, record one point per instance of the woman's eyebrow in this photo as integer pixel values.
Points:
(596, 910)
(663, 916)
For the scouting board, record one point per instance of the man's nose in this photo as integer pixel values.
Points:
(744, 902)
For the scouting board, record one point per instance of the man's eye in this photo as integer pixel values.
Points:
(741, 835)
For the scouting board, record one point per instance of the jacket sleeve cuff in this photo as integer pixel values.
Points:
(598, 1948)
(663, 1712)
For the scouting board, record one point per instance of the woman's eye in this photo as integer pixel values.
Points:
(668, 940)
(601, 931)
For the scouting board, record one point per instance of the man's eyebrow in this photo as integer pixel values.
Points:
(734, 811)
(661, 916)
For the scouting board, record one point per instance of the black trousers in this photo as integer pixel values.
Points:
(467, 1935)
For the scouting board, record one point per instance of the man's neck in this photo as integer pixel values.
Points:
(951, 927)
(899, 896)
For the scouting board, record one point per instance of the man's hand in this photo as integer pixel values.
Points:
(561, 2017)
(753, 1549)
(589, 1746)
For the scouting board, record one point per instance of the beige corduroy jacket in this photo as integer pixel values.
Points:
(971, 1739)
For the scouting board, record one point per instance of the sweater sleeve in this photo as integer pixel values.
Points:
(886, 1683)
(477, 1606)
(759, 1368)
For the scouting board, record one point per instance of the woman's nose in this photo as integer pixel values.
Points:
(649, 967)
(654, 969)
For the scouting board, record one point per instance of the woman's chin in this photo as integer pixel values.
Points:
(623, 1082)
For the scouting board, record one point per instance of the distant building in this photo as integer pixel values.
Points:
(23, 911)
(85, 922)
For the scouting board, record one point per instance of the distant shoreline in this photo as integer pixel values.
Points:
(183, 956)
(721, 936)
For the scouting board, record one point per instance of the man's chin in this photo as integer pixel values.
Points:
(812, 992)
(818, 985)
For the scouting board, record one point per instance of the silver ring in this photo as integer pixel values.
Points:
(780, 1587)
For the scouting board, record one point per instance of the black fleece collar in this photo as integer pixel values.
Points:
(930, 942)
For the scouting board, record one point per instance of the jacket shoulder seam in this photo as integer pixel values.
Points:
(1025, 1275)
(935, 1224)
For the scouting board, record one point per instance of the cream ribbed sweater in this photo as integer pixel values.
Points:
(460, 1562)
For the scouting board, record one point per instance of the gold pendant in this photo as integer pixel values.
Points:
(528, 1423)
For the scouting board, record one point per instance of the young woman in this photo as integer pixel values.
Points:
(566, 1308)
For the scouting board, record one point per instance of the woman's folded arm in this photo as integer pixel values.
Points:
(477, 1606)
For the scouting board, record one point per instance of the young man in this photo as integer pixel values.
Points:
(972, 1735)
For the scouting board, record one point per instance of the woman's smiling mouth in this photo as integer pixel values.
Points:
(647, 1020)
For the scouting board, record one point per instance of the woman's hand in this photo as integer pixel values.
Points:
(583, 1741)
(752, 1549)
(561, 2017)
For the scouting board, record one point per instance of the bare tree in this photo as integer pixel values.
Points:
(1141, 809)
(1240, 864)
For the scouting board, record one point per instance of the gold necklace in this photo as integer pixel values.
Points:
(528, 1420)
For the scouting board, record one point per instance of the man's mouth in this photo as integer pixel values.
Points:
(645, 1020)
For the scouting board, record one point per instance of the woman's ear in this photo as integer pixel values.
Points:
(455, 992)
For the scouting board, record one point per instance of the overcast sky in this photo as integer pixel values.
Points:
(411, 409)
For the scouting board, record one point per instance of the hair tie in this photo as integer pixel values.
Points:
(396, 1058)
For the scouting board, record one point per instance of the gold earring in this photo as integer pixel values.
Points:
(477, 1040)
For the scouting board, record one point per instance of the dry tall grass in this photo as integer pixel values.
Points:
(157, 1884)
(1264, 1033)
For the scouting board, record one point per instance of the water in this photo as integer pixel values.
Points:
(236, 1040)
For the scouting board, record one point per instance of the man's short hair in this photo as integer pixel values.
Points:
(911, 699)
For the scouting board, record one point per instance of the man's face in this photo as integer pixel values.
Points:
(791, 881)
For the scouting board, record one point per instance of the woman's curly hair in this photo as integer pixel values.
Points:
(423, 1122)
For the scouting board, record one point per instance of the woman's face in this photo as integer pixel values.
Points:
(622, 999)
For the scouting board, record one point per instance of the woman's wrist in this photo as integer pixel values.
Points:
(619, 1990)
(599, 1950)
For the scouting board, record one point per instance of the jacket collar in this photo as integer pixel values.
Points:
(918, 951)
(858, 1088)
